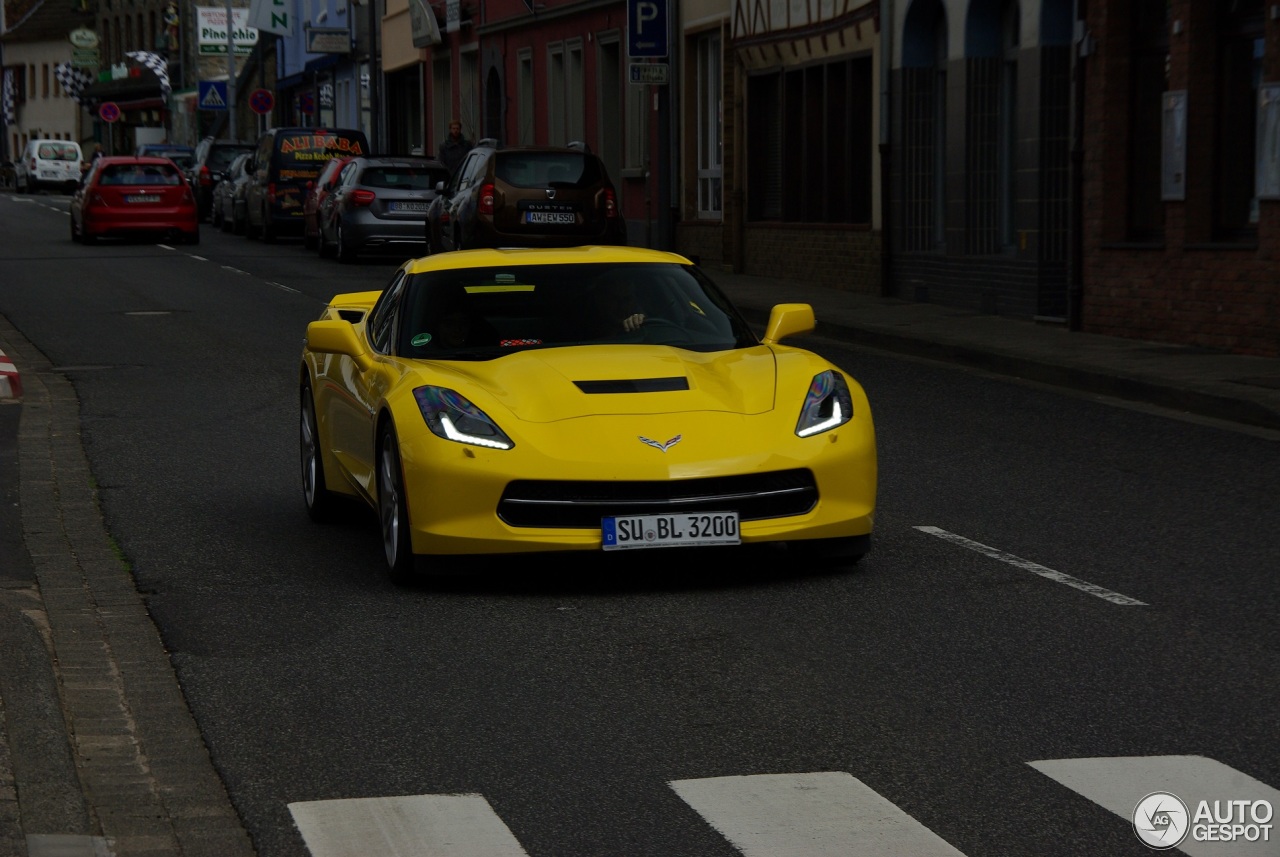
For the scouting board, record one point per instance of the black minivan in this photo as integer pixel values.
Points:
(285, 163)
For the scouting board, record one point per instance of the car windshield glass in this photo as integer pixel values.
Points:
(547, 169)
(57, 152)
(484, 313)
(140, 174)
(301, 156)
(403, 178)
(220, 156)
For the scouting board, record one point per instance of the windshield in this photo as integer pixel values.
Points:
(140, 174)
(403, 178)
(547, 169)
(58, 152)
(221, 156)
(485, 313)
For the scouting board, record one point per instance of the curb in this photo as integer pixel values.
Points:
(10, 380)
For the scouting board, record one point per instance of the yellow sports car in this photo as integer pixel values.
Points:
(593, 398)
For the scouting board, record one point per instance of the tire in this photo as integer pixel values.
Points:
(393, 513)
(193, 238)
(345, 252)
(215, 216)
(321, 502)
(322, 246)
(268, 232)
(75, 236)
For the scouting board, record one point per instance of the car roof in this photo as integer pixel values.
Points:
(398, 160)
(112, 160)
(542, 256)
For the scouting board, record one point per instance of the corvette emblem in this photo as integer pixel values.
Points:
(657, 444)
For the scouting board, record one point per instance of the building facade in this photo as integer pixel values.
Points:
(32, 45)
(781, 126)
(1180, 205)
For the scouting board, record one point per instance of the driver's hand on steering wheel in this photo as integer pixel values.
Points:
(633, 322)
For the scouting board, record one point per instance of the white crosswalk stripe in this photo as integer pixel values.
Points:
(818, 814)
(1119, 784)
(809, 815)
(411, 826)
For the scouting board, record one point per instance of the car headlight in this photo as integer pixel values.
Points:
(450, 416)
(827, 405)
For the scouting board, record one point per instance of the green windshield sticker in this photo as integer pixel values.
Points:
(482, 290)
(421, 339)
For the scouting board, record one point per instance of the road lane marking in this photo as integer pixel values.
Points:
(1119, 784)
(197, 258)
(1035, 568)
(409, 826)
(283, 287)
(234, 270)
(808, 815)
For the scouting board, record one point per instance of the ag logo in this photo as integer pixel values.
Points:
(1161, 820)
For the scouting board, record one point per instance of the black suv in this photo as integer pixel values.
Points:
(213, 158)
(525, 196)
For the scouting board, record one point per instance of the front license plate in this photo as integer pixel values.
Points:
(627, 532)
(408, 206)
(142, 197)
(559, 218)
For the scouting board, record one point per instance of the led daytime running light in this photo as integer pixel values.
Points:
(452, 433)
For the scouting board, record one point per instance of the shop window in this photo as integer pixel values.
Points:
(809, 155)
(1240, 51)
(1149, 79)
(709, 118)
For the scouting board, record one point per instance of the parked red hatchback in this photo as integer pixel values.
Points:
(134, 196)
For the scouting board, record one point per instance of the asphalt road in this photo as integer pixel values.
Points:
(635, 705)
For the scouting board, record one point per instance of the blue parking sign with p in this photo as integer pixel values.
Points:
(647, 28)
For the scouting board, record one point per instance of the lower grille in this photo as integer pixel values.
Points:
(755, 496)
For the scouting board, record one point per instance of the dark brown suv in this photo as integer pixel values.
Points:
(526, 196)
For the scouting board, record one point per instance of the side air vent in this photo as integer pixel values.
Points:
(635, 385)
(352, 315)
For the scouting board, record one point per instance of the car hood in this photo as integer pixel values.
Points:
(566, 383)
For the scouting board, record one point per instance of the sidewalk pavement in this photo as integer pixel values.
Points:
(116, 767)
(1231, 387)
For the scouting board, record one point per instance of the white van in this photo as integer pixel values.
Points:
(48, 163)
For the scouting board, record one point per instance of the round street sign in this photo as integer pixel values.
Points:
(109, 111)
(261, 101)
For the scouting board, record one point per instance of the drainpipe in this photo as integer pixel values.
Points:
(1075, 216)
(886, 114)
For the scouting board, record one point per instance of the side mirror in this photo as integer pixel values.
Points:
(440, 188)
(787, 320)
(337, 337)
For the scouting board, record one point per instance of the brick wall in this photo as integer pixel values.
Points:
(841, 258)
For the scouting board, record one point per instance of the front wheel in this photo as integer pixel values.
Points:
(321, 502)
(393, 511)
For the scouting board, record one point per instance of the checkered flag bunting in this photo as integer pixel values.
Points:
(8, 108)
(74, 80)
(157, 64)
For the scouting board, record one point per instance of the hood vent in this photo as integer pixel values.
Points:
(635, 385)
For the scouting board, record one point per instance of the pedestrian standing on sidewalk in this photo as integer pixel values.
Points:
(453, 149)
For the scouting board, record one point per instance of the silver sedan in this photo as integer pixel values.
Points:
(379, 205)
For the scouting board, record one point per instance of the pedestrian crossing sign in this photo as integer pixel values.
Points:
(212, 95)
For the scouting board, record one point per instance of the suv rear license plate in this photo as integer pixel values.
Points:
(408, 206)
(142, 197)
(559, 218)
(628, 532)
